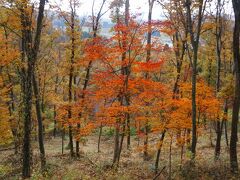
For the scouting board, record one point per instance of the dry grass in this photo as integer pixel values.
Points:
(93, 165)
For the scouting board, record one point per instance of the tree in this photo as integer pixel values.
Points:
(219, 34)
(236, 100)
(148, 57)
(30, 48)
(194, 33)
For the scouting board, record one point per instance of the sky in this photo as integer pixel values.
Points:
(136, 6)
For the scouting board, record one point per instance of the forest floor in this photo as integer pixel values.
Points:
(93, 165)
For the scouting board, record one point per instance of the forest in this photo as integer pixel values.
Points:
(147, 99)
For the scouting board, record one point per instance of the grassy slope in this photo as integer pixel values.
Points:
(93, 165)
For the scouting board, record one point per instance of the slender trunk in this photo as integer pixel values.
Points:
(71, 76)
(148, 57)
(218, 52)
(194, 108)
(225, 120)
(30, 48)
(226, 133)
(27, 98)
(55, 121)
(55, 107)
(122, 138)
(77, 142)
(63, 137)
(116, 143)
(170, 159)
(218, 141)
(99, 137)
(179, 59)
(78, 124)
(139, 131)
(236, 100)
(70, 140)
(209, 72)
(121, 143)
(70, 133)
(175, 89)
(128, 132)
(194, 36)
(40, 123)
(125, 72)
(159, 151)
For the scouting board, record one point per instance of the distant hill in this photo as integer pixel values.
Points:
(105, 29)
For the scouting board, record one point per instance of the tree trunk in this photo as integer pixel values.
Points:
(194, 37)
(72, 61)
(194, 108)
(40, 123)
(128, 132)
(27, 99)
(148, 57)
(116, 143)
(170, 159)
(54, 107)
(225, 120)
(63, 137)
(218, 141)
(99, 137)
(121, 142)
(159, 151)
(77, 142)
(70, 140)
(218, 21)
(125, 72)
(30, 48)
(236, 100)
(55, 121)
(70, 134)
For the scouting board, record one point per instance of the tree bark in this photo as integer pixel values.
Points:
(70, 133)
(99, 137)
(148, 57)
(63, 137)
(40, 123)
(218, 34)
(55, 121)
(123, 98)
(116, 143)
(70, 88)
(194, 37)
(30, 48)
(225, 118)
(27, 99)
(159, 152)
(236, 100)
